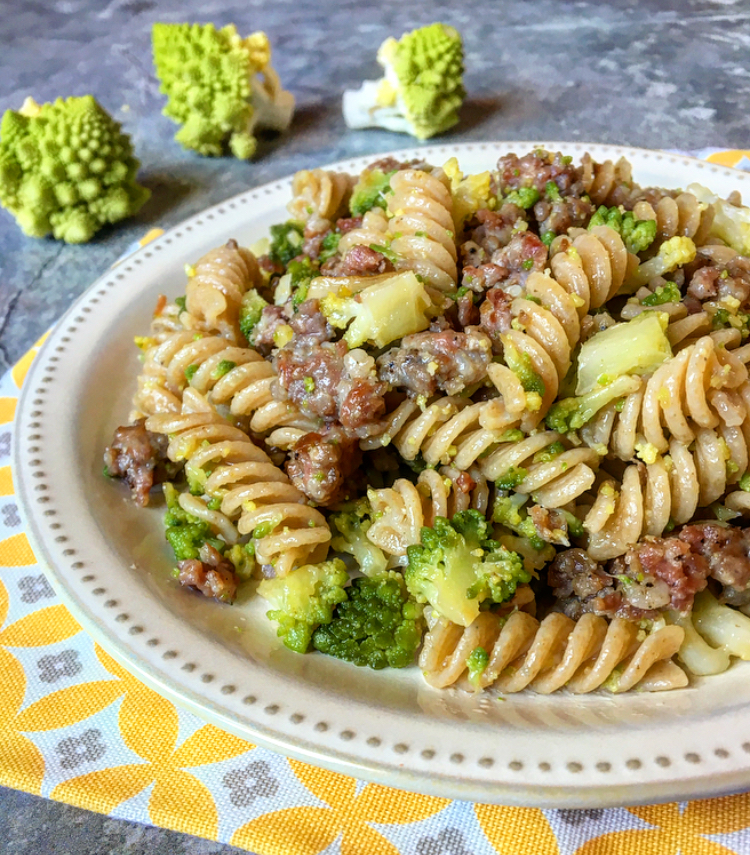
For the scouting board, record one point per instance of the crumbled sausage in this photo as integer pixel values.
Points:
(321, 466)
(139, 457)
(212, 575)
(360, 260)
(330, 382)
(426, 362)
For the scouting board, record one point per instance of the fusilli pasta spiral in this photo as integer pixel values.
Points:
(400, 512)
(253, 491)
(558, 652)
(319, 194)
(421, 228)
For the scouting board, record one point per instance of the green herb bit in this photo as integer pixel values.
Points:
(224, 367)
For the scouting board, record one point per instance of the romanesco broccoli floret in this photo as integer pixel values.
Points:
(637, 235)
(370, 191)
(395, 306)
(422, 89)
(301, 271)
(572, 413)
(470, 192)
(731, 223)
(250, 311)
(457, 566)
(67, 169)
(286, 241)
(673, 253)
(638, 346)
(186, 533)
(220, 87)
(511, 512)
(669, 292)
(378, 626)
(352, 523)
(304, 600)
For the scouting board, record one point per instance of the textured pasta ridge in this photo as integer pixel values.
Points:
(555, 653)
(319, 194)
(214, 291)
(421, 228)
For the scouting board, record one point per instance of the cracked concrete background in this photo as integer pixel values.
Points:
(652, 73)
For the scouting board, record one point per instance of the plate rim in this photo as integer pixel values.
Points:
(512, 789)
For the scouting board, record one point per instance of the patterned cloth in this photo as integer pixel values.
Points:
(75, 726)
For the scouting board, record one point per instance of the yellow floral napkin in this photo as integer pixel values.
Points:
(76, 727)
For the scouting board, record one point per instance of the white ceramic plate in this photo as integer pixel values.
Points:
(110, 563)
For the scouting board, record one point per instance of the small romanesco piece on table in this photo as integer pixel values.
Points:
(220, 87)
(422, 89)
(67, 169)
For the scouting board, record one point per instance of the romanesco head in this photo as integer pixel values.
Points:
(422, 90)
(428, 64)
(210, 79)
(67, 169)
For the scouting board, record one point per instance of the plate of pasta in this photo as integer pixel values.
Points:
(431, 468)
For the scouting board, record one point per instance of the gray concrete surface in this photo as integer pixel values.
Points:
(654, 74)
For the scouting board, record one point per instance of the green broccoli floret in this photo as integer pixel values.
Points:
(250, 312)
(370, 191)
(242, 555)
(476, 664)
(457, 567)
(637, 235)
(638, 346)
(220, 87)
(572, 413)
(393, 307)
(185, 532)
(511, 512)
(67, 169)
(352, 523)
(422, 89)
(378, 626)
(286, 241)
(511, 479)
(304, 600)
